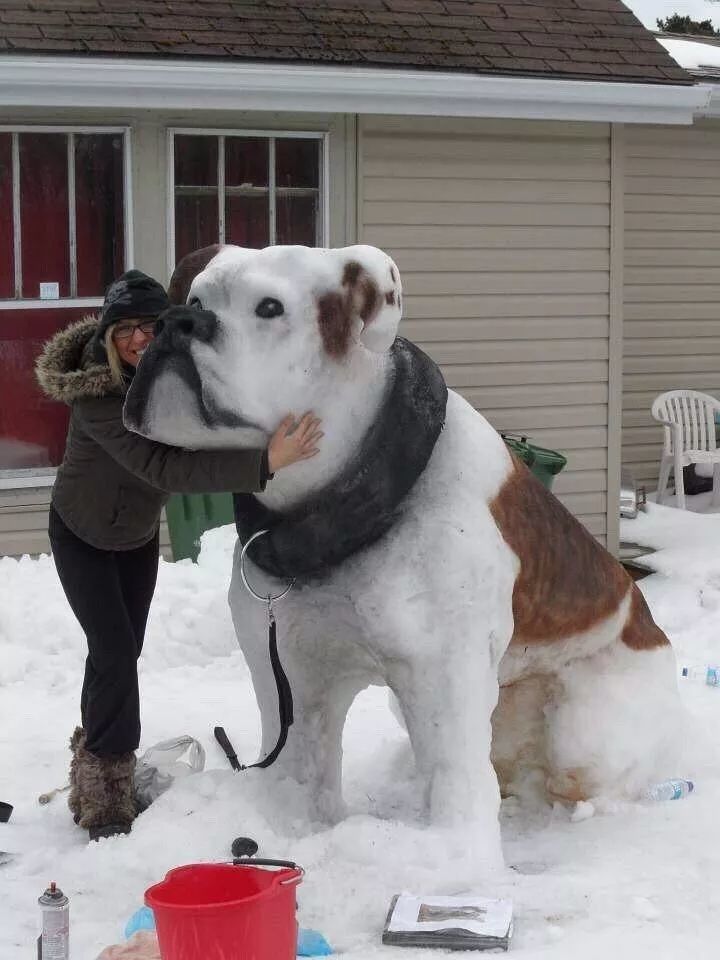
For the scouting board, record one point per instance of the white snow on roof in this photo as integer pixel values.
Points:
(691, 54)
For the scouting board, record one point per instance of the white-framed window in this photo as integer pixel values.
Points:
(253, 188)
(65, 234)
(65, 212)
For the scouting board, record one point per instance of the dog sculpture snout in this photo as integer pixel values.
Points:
(177, 327)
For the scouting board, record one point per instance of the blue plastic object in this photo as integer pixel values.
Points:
(142, 919)
(312, 944)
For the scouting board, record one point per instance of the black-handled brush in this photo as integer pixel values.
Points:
(228, 749)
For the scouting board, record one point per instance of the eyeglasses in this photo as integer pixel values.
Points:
(123, 331)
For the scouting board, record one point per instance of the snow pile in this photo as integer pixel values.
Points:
(188, 622)
(685, 542)
(632, 879)
(685, 594)
(692, 54)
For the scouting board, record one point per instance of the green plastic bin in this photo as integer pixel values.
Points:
(190, 515)
(545, 464)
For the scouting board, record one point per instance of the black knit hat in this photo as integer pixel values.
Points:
(132, 296)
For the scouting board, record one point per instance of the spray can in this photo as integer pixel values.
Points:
(54, 940)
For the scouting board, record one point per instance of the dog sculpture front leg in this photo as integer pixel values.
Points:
(325, 676)
(313, 754)
(447, 702)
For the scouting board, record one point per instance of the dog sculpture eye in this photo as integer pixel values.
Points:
(269, 308)
(195, 303)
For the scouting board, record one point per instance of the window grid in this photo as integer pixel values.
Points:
(272, 187)
(72, 213)
(221, 188)
(17, 228)
(272, 191)
(70, 134)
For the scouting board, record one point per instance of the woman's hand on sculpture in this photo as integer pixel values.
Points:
(293, 441)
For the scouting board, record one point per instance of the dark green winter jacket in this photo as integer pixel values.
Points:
(112, 484)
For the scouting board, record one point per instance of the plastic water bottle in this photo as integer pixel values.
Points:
(693, 673)
(669, 790)
(710, 674)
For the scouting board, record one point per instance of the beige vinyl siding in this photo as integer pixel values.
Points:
(672, 277)
(501, 230)
(24, 522)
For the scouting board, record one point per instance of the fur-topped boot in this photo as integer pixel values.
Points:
(76, 740)
(103, 791)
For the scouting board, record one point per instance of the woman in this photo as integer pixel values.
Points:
(104, 519)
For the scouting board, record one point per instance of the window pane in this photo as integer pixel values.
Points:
(196, 161)
(7, 275)
(297, 163)
(98, 211)
(32, 428)
(44, 212)
(247, 221)
(246, 161)
(196, 223)
(196, 193)
(247, 200)
(297, 219)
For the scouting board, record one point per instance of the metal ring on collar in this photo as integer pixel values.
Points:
(248, 587)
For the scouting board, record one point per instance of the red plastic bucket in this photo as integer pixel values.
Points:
(226, 911)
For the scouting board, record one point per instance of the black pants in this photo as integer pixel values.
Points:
(110, 592)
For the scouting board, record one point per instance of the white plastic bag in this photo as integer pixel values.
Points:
(166, 761)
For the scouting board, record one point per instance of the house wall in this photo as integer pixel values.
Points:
(23, 512)
(509, 235)
(502, 232)
(672, 277)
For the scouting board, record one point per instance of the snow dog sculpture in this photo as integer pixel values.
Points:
(427, 558)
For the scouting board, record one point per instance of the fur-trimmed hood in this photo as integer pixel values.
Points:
(66, 370)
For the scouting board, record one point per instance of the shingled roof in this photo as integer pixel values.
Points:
(577, 39)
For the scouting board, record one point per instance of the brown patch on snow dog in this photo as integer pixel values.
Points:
(336, 311)
(335, 322)
(640, 631)
(567, 582)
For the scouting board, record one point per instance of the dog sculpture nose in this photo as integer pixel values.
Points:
(178, 326)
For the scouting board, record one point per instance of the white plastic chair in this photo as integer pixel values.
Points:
(688, 419)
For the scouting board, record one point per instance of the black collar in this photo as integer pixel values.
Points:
(365, 500)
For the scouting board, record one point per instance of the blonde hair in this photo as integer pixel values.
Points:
(114, 361)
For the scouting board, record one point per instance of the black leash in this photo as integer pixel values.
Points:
(285, 706)
(228, 749)
(284, 691)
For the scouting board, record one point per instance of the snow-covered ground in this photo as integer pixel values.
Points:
(633, 880)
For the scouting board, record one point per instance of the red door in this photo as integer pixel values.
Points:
(62, 241)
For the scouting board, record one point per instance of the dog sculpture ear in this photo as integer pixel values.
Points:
(370, 301)
(185, 272)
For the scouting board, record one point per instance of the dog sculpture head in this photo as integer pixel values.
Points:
(259, 333)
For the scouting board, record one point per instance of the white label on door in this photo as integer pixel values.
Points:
(49, 291)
